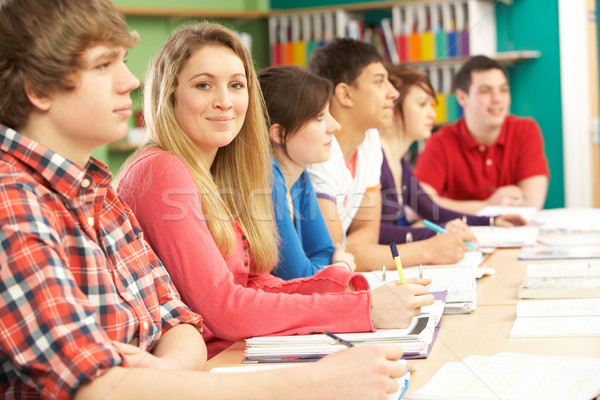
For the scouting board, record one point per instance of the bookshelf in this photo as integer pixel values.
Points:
(434, 36)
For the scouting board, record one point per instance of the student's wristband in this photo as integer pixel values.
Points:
(492, 221)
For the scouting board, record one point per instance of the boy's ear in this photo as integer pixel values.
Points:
(461, 97)
(276, 133)
(342, 94)
(39, 101)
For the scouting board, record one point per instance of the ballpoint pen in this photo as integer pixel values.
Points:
(338, 339)
(396, 257)
(439, 229)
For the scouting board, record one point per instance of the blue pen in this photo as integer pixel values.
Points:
(406, 383)
(439, 229)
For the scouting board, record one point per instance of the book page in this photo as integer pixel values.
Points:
(556, 327)
(553, 253)
(496, 236)
(514, 376)
(565, 269)
(558, 308)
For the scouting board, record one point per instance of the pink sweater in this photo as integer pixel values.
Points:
(234, 303)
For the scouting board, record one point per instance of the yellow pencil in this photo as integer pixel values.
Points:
(396, 257)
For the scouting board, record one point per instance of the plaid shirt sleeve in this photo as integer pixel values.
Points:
(49, 331)
(173, 311)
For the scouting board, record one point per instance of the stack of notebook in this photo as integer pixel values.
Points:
(564, 280)
(416, 340)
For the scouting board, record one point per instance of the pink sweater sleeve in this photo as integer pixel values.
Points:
(234, 304)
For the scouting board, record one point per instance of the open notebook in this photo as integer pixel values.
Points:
(514, 376)
(416, 340)
(459, 280)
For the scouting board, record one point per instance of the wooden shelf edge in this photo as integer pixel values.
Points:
(505, 57)
(190, 12)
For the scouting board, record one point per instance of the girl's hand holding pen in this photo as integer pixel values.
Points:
(394, 305)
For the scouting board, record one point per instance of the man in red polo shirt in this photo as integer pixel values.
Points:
(487, 157)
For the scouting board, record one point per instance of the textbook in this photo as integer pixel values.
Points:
(416, 340)
(514, 376)
(561, 281)
(558, 253)
(557, 318)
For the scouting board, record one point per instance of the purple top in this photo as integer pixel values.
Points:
(394, 225)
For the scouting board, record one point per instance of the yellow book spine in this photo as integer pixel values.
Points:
(441, 109)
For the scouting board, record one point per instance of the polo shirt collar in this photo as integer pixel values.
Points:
(472, 144)
(62, 175)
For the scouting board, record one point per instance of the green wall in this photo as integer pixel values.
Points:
(535, 84)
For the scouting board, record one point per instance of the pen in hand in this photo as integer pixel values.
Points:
(338, 339)
(396, 257)
(439, 229)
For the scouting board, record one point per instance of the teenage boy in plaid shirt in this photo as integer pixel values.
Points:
(86, 308)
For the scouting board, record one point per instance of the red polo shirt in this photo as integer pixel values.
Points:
(460, 168)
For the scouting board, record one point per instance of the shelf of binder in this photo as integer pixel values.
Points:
(414, 32)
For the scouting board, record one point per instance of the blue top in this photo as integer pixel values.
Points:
(306, 246)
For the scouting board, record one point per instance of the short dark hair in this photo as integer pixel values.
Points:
(462, 80)
(293, 97)
(343, 59)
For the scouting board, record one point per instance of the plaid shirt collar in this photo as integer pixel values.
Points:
(62, 175)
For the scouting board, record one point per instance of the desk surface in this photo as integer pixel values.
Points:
(484, 332)
(501, 288)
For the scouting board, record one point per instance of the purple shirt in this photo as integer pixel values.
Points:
(394, 225)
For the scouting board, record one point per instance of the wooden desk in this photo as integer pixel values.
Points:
(484, 332)
(501, 288)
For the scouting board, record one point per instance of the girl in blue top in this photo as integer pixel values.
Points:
(301, 130)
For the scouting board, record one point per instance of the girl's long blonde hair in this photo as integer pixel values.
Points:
(237, 187)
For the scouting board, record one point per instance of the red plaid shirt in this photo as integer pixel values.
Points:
(75, 274)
